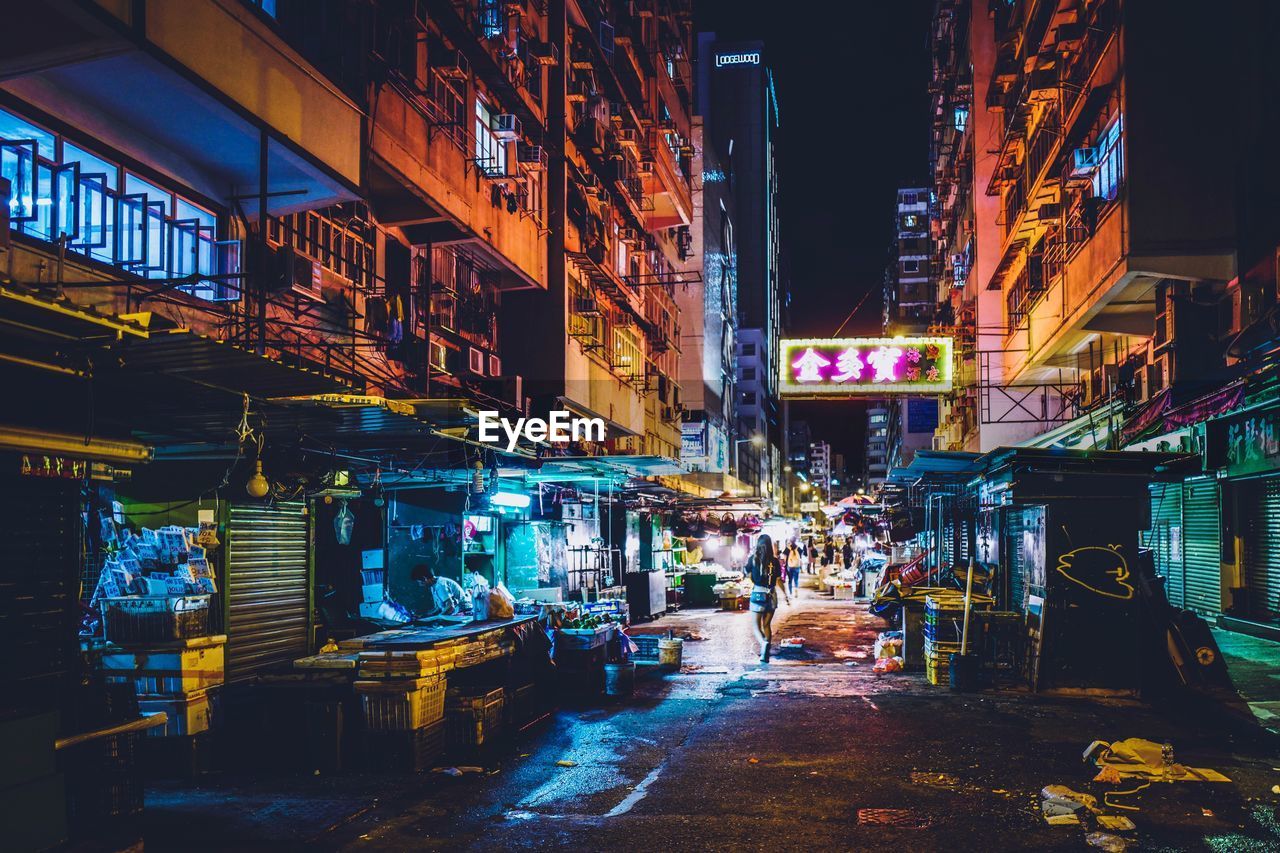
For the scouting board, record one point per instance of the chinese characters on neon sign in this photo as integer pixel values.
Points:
(853, 366)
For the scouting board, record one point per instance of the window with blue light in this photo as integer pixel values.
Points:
(961, 117)
(492, 16)
(491, 152)
(1108, 175)
(60, 191)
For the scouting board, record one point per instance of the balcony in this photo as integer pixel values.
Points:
(667, 181)
(221, 90)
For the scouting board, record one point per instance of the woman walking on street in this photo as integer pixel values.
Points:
(793, 568)
(766, 573)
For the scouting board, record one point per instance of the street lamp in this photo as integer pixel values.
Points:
(756, 440)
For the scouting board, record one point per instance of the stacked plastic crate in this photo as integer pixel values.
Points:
(402, 698)
(162, 646)
(943, 629)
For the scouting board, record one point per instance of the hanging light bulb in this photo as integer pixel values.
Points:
(477, 478)
(257, 487)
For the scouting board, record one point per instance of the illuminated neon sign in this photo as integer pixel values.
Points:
(723, 59)
(848, 367)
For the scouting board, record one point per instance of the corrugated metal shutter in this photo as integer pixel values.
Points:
(268, 588)
(40, 536)
(1202, 546)
(1167, 539)
(1016, 559)
(1261, 500)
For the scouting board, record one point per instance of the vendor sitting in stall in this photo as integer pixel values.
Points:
(447, 597)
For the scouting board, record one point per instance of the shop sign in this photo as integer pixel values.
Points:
(723, 59)
(53, 467)
(810, 506)
(693, 443)
(851, 367)
(1247, 443)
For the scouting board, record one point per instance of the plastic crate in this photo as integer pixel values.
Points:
(103, 779)
(409, 751)
(400, 705)
(473, 716)
(521, 703)
(646, 648)
(155, 619)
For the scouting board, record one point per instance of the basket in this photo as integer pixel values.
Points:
(521, 703)
(473, 717)
(155, 618)
(410, 751)
(401, 705)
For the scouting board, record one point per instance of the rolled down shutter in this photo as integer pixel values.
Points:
(1202, 546)
(268, 588)
(1262, 548)
(1167, 539)
(1016, 559)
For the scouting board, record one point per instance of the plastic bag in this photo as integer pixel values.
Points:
(343, 523)
(884, 665)
(501, 604)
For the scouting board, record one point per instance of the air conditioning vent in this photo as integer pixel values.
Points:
(1083, 162)
(475, 360)
(506, 127)
(451, 64)
(533, 156)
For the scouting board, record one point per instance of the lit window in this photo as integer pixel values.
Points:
(961, 116)
(1109, 173)
(911, 266)
(491, 153)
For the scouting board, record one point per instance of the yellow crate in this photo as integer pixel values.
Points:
(397, 705)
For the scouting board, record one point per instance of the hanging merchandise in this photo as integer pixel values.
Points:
(698, 529)
(376, 318)
(343, 524)
(395, 323)
(728, 526)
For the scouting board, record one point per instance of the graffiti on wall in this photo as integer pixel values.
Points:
(1101, 569)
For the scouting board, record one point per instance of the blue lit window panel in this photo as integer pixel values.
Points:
(95, 213)
(91, 164)
(14, 128)
(18, 167)
(1109, 173)
(961, 116)
(40, 225)
(492, 18)
(491, 152)
(65, 201)
(131, 248)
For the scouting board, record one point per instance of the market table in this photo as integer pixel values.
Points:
(425, 636)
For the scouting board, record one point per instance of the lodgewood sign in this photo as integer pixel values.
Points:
(850, 367)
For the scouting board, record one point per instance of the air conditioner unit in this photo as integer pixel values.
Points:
(475, 360)
(605, 32)
(544, 53)
(1049, 211)
(628, 137)
(533, 156)
(630, 235)
(506, 127)
(450, 63)
(495, 366)
(298, 274)
(438, 357)
(1083, 162)
(645, 167)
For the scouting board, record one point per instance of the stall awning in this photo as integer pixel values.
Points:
(935, 464)
(28, 313)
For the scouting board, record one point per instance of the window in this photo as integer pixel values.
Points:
(748, 349)
(961, 117)
(491, 153)
(448, 100)
(492, 17)
(61, 190)
(908, 198)
(1109, 173)
(911, 266)
(748, 374)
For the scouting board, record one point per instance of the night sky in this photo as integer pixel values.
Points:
(852, 84)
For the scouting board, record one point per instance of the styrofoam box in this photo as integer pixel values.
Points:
(373, 593)
(179, 667)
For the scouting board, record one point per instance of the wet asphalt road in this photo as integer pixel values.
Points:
(813, 752)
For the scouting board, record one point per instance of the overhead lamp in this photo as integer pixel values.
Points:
(515, 500)
(257, 487)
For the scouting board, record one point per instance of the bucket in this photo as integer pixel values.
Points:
(619, 678)
(670, 651)
(964, 672)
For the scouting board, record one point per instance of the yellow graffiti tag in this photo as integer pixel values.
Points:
(1066, 563)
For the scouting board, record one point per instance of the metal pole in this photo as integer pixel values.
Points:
(264, 263)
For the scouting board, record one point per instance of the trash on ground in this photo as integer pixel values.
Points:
(1106, 841)
(1062, 819)
(566, 763)
(792, 643)
(889, 644)
(753, 761)
(1108, 775)
(1116, 823)
(1051, 793)
(883, 665)
(1136, 758)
